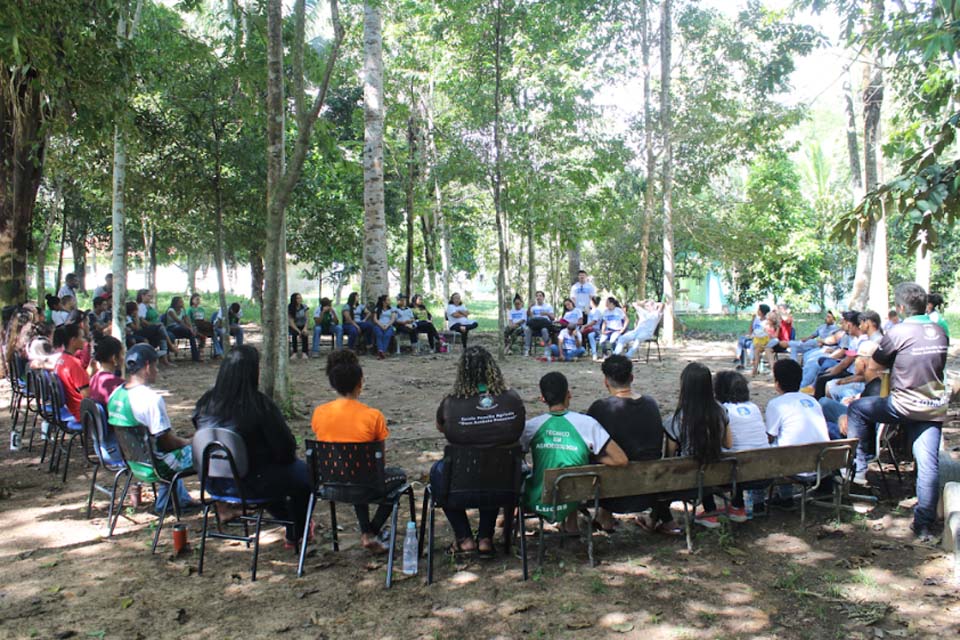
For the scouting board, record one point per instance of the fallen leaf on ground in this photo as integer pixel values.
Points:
(126, 603)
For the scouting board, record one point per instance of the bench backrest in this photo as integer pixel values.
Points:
(683, 474)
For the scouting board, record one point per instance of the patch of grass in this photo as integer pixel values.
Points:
(598, 586)
(707, 617)
(864, 578)
(789, 580)
(729, 326)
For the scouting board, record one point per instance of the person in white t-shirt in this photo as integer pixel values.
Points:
(570, 345)
(793, 417)
(539, 318)
(516, 321)
(404, 320)
(614, 324)
(591, 329)
(746, 425)
(582, 291)
(458, 318)
(649, 314)
(572, 315)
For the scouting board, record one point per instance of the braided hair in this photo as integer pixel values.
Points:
(477, 367)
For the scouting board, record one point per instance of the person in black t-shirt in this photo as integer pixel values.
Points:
(634, 423)
(479, 412)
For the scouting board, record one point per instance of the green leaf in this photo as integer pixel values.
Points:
(126, 603)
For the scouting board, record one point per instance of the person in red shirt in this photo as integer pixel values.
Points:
(76, 382)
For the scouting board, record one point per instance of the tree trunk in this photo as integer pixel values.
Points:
(150, 254)
(63, 243)
(256, 278)
(79, 245)
(853, 146)
(867, 231)
(118, 217)
(573, 263)
(440, 223)
(191, 273)
(283, 177)
(375, 281)
(531, 265)
(125, 32)
(648, 192)
(924, 258)
(41, 251)
(23, 141)
(218, 245)
(273, 376)
(498, 181)
(666, 120)
(411, 192)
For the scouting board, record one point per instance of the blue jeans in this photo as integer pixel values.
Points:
(813, 366)
(235, 332)
(568, 354)
(609, 337)
(801, 347)
(335, 330)
(382, 337)
(366, 330)
(832, 410)
(352, 333)
(862, 418)
(163, 491)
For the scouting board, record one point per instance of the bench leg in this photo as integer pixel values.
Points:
(522, 530)
(540, 549)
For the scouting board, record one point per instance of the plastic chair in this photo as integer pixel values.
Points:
(450, 337)
(655, 340)
(66, 426)
(352, 473)
(137, 449)
(221, 453)
(468, 471)
(102, 451)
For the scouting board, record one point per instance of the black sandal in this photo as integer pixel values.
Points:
(486, 554)
(456, 549)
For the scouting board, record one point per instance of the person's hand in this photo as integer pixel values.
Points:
(843, 381)
(842, 424)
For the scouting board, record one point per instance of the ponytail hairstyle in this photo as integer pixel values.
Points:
(293, 306)
(381, 305)
(701, 419)
(614, 302)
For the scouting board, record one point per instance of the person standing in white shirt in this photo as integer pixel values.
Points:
(582, 290)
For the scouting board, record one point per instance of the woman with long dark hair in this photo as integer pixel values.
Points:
(698, 428)
(297, 325)
(354, 325)
(479, 412)
(424, 321)
(383, 329)
(275, 473)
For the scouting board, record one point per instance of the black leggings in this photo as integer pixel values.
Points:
(425, 326)
(304, 341)
(393, 478)
(464, 331)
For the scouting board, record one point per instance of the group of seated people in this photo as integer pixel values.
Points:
(373, 326)
(585, 316)
(143, 322)
(713, 415)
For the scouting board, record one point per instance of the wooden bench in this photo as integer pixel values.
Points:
(595, 482)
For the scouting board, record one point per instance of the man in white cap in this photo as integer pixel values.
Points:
(135, 403)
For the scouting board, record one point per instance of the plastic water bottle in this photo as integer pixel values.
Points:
(748, 504)
(410, 549)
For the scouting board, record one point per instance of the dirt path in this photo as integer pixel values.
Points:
(860, 578)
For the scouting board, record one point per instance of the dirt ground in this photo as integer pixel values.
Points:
(862, 577)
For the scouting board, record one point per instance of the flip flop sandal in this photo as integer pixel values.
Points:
(457, 551)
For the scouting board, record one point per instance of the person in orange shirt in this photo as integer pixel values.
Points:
(346, 419)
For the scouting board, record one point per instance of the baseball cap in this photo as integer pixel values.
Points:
(139, 356)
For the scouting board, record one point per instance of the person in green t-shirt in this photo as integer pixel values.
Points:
(563, 438)
(200, 321)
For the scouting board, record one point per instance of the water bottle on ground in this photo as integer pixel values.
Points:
(14, 440)
(410, 550)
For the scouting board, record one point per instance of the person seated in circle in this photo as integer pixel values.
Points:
(236, 403)
(614, 324)
(346, 419)
(198, 318)
(458, 318)
(178, 325)
(297, 326)
(480, 411)
(326, 323)
(539, 320)
(516, 321)
(405, 322)
(424, 321)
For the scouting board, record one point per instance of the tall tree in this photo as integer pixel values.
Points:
(666, 124)
(282, 177)
(649, 197)
(498, 175)
(375, 282)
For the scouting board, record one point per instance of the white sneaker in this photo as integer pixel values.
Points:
(859, 478)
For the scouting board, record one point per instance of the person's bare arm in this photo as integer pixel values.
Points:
(671, 448)
(613, 455)
(170, 441)
(840, 368)
(727, 437)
